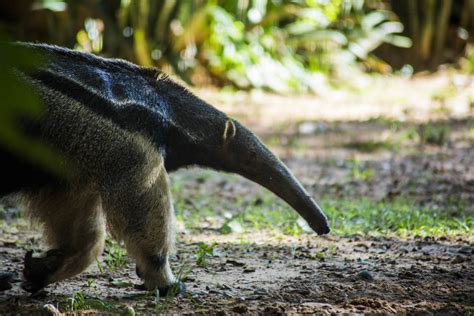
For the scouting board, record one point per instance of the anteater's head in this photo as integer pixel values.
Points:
(202, 135)
(245, 154)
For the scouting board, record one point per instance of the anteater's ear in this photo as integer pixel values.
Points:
(229, 130)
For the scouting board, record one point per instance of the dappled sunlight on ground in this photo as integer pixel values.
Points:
(420, 98)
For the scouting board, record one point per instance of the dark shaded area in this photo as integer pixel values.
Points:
(439, 29)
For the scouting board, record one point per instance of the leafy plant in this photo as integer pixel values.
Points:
(20, 101)
(204, 251)
(80, 301)
(467, 62)
(319, 255)
(361, 172)
(435, 134)
(287, 48)
(370, 145)
(115, 256)
(371, 29)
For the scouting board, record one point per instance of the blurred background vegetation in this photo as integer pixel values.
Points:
(285, 46)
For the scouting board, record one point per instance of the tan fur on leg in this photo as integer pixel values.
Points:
(143, 217)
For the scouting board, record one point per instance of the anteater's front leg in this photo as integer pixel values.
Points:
(141, 214)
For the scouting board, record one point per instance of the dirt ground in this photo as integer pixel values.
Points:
(270, 272)
(271, 276)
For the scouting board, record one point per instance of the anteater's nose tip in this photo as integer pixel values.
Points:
(321, 226)
(324, 229)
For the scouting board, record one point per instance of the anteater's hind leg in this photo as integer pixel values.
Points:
(74, 232)
(141, 214)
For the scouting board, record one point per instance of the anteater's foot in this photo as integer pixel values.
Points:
(38, 270)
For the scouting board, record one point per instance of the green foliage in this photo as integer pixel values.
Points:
(468, 311)
(368, 30)
(467, 62)
(360, 172)
(80, 301)
(233, 225)
(252, 55)
(20, 101)
(115, 256)
(346, 216)
(290, 46)
(444, 93)
(399, 216)
(204, 250)
(370, 146)
(433, 133)
(285, 46)
(319, 255)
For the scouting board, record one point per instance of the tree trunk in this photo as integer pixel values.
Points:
(139, 14)
(414, 27)
(443, 20)
(427, 30)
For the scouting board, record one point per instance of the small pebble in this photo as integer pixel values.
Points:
(366, 275)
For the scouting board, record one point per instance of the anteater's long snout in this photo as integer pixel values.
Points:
(263, 167)
(275, 176)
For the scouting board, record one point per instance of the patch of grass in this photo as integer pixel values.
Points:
(444, 93)
(467, 63)
(432, 133)
(204, 250)
(429, 133)
(370, 146)
(319, 255)
(271, 213)
(192, 211)
(361, 172)
(399, 216)
(393, 124)
(91, 284)
(442, 109)
(349, 217)
(468, 310)
(80, 301)
(293, 142)
(409, 134)
(115, 256)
